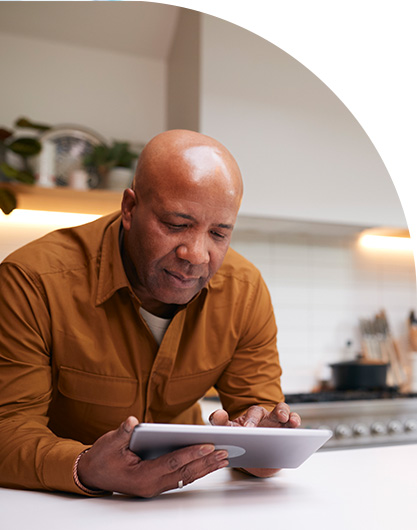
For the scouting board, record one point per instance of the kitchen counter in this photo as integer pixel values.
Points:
(333, 490)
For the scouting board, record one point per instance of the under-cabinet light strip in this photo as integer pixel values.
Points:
(386, 242)
(40, 217)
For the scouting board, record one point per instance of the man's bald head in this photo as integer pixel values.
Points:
(181, 157)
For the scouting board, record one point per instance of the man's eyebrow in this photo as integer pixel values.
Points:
(183, 215)
(226, 226)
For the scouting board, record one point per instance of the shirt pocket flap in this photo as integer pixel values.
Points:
(97, 389)
(190, 388)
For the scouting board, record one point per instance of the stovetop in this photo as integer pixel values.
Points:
(347, 395)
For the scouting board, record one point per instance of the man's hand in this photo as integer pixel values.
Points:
(110, 465)
(259, 417)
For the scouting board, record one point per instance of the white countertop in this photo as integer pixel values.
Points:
(333, 490)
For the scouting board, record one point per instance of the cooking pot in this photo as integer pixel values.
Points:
(359, 375)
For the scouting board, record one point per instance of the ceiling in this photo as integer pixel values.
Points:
(143, 29)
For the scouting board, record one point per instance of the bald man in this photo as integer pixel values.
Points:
(133, 318)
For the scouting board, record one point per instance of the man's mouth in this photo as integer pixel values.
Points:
(181, 279)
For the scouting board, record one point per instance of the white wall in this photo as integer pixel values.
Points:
(302, 153)
(119, 96)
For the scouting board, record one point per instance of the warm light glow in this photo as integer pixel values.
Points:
(386, 242)
(40, 217)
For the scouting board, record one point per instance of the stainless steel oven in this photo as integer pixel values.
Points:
(359, 418)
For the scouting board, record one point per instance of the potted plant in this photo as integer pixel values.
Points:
(15, 157)
(105, 160)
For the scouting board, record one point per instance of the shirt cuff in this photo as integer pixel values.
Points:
(58, 465)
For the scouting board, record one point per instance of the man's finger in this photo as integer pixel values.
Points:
(200, 468)
(219, 417)
(254, 416)
(282, 417)
(124, 432)
(177, 459)
(128, 425)
(182, 467)
(295, 420)
(282, 411)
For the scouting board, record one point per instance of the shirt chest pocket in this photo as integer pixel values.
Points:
(96, 389)
(189, 389)
(86, 405)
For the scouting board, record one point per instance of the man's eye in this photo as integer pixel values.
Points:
(217, 235)
(176, 227)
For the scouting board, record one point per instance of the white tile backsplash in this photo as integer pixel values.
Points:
(320, 287)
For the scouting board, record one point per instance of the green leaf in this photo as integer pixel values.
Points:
(9, 171)
(25, 147)
(7, 201)
(15, 174)
(24, 122)
(98, 157)
(121, 154)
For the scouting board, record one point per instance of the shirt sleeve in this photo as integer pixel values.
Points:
(31, 456)
(253, 375)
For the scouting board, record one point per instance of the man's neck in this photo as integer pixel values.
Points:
(159, 309)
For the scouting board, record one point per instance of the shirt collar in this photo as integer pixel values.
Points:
(111, 273)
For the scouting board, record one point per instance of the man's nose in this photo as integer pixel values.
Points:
(195, 251)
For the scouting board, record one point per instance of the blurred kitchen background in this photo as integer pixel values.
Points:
(313, 180)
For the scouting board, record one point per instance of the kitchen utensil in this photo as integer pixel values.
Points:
(378, 344)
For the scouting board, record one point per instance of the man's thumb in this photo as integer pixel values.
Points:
(126, 428)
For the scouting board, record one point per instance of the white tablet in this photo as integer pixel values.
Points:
(248, 447)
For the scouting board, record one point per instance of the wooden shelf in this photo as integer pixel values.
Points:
(101, 202)
(58, 199)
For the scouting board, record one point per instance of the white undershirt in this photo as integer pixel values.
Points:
(157, 325)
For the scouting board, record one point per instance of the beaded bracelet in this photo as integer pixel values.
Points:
(77, 480)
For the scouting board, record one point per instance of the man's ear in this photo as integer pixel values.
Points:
(128, 205)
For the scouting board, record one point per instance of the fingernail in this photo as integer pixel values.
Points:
(249, 423)
(221, 455)
(127, 427)
(206, 450)
(224, 463)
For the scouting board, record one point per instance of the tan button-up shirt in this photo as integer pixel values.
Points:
(77, 358)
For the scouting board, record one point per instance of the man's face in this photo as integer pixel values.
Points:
(177, 237)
